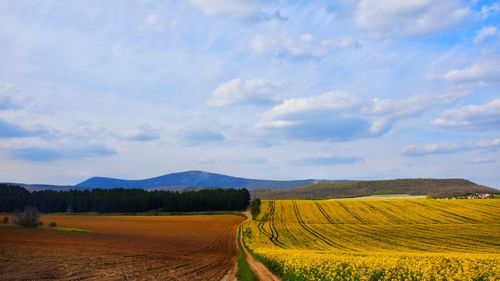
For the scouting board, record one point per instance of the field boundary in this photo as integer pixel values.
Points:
(259, 269)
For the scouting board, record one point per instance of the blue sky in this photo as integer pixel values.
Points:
(365, 89)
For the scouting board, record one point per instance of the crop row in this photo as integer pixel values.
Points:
(361, 239)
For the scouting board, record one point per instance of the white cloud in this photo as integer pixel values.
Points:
(471, 118)
(142, 133)
(236, 91)
(446, 148)
(412, 17)
(483, 72)
(303, 46)
(487, 31)
(341, 116)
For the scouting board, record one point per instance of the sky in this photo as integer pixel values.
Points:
(367, 89)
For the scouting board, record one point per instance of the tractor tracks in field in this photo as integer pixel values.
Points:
(351, 213)
(324, 213)
(269, 218)
(311, 230)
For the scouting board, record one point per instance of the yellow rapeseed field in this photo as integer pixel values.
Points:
(399, 239)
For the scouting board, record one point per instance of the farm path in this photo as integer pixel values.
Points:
(261, 271)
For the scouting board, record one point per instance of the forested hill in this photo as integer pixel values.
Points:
(191, 179)
(434, 188)
(119, 200)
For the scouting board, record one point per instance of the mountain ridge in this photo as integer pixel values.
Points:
(192, 178)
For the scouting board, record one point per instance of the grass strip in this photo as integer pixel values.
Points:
(244, 272)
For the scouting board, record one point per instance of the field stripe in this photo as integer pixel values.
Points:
(325, 214)
(314, 232)
(351, 212)
(268, 218)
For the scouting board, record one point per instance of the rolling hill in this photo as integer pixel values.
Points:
(434, 188)
(192, 179)
(292, 189)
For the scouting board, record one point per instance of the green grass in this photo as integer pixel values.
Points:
(244, 272)
(69, 229)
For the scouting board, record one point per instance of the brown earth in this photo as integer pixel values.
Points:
(121, 248)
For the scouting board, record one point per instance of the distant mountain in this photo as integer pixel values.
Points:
(37, 187)
(434, 188)
(192, 179)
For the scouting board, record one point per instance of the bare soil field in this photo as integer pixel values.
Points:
(121, 248)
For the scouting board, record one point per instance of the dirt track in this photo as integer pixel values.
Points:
(261, 271)
(121, 248)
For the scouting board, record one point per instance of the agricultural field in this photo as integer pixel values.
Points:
(198, 247)
(376, 239)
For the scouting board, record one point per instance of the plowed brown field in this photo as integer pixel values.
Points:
(121, 248)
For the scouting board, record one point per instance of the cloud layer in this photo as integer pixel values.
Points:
(199, 136)
(326, 160)
(216, 82)
(142, 133)
(12, 130)
(237, 9)
(47, 154)
(446, 148)
(485, 32)
(484, 72)
(305, 46)
(471, 118)
(403, 18)
(338, 116)
(238, 91)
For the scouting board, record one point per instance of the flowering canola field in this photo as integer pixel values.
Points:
(398, 239)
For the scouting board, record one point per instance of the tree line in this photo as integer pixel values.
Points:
(120, 200)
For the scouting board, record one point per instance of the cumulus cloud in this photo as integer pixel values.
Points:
(326, 160)
(483, 33)
(237, 91)
(237, 9)
(341, 116)
(142, 133)
(471, 118)
(49, 154)
(403, 18)
(446, 148)
(483, 72)
(302, 47)
(199, 136)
